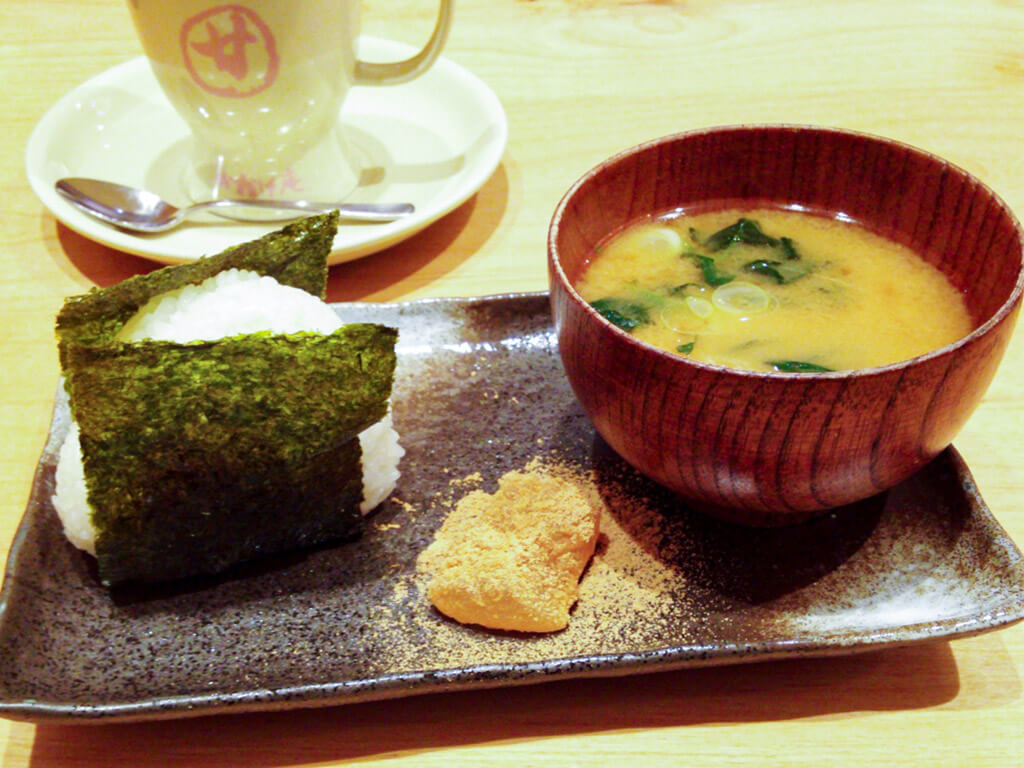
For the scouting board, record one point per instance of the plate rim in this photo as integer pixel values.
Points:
(38, 150)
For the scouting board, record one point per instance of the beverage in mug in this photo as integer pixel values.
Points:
(261, 84)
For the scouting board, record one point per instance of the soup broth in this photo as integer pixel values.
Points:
(773, 290)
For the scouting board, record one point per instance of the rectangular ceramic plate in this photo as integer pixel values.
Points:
(479, 392)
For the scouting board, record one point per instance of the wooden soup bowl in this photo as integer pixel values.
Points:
(774, 448)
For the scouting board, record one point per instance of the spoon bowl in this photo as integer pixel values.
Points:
(139, 210)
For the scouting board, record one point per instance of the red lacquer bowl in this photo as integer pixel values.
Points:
(772, 448)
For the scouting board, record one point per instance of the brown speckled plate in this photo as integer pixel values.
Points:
(480, 392)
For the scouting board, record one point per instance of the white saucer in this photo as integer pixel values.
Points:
(433, 142)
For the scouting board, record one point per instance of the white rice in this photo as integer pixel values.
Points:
(70, 497)
(230, 303)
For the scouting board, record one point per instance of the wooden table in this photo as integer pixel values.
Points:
(580, 80)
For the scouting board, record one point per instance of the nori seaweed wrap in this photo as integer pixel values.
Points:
(201, 455)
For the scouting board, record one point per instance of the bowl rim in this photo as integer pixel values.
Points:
(997, 317)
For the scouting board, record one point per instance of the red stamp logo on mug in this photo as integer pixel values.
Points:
(229, 51)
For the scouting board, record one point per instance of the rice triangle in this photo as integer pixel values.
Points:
(198, 455)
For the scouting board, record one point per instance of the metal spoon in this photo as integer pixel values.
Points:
(139, 210)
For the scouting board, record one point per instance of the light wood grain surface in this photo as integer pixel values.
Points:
(580, 80)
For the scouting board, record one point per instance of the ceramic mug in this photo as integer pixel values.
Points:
(261, 84)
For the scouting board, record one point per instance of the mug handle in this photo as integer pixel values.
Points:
(390, 73)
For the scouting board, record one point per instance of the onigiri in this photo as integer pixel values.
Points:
(230, 303)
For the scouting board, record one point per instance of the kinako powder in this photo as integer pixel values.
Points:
(512, 559)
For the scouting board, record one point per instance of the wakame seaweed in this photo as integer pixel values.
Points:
(749, 232)
(681, 290)
(797, 366)
(743, 231)
(780, 271)
(788, 248)
(709, 269)
(627, 315)
(201, 455)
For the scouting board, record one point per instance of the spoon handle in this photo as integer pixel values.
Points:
(348, 211)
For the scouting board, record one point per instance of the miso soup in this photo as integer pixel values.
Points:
(773, 290)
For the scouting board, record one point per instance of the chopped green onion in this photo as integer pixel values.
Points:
(741, 298)
(702, 308)
(685, 349)
(662, 240)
